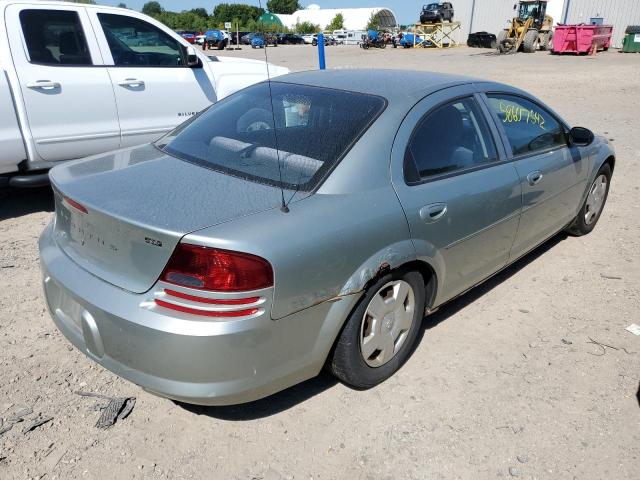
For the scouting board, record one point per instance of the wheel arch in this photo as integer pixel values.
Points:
(428, 273)
(611, 160)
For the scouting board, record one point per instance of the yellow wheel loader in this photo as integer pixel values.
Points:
(529, 31)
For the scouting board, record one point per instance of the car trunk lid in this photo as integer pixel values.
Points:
(120, 215)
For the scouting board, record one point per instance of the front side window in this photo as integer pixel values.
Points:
(452, 137)
(529, 127)
(283, 135)
(136, 43)
(54, 37)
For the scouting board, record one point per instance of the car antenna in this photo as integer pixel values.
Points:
(283, 205)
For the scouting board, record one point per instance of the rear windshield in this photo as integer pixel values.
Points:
(314, 128)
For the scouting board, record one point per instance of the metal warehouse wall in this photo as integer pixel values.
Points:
(493, 15)
(619, 13)
(480, 15)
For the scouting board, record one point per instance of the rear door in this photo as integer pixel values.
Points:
(552, 175)
(155, 90)
(67, 93)
(461, 196)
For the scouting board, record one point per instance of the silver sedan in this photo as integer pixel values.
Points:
(308, 222)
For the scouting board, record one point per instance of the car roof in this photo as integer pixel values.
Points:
(397, 86)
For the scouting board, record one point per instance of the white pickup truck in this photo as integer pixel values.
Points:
(77, 80)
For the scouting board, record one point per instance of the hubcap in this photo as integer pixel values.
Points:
(386, 322)
(595, 199)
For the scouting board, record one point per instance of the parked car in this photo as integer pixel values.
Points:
(408, 40)
(290, 39)
(308, 38)
(246, 39)
(437, 13)
(234, 37)
(225, 262)
(54, 108)
(328, 40)
(189, 37)
(214, 39)
(259, 40)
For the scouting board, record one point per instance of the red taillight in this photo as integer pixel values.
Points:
(74, 204)
(206, 268)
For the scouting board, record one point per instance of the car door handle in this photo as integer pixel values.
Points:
(131, 82)
(534, 177)
(433, 212)
(43, 84)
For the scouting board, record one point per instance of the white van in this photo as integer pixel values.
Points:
(349, 37)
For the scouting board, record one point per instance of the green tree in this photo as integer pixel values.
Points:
(201, 12)
(337, 23)
(152, 9)
(307, 27)
(286, 7)
(374, 22)
(236, 13)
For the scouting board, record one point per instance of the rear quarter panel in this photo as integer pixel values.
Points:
(327, 245)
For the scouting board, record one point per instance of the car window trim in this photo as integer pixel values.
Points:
(497, 161)
(76, 11)
(508, 147)
(182, 47)
(321, 179)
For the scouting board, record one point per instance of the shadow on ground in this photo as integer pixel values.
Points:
(297, 394)
(18, 203)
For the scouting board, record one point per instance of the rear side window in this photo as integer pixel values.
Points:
(54, 37)
(136, 43)
(293, 145)
(452, 137)
(529, 127)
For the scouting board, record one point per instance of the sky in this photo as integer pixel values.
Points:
(406, 11)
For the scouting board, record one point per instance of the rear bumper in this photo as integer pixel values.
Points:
(195, 361)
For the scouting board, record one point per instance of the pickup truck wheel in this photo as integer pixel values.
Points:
(593, 205)
(380, 333)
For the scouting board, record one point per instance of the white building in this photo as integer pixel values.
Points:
(354, 18)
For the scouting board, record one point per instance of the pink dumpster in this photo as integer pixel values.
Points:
(581, 38)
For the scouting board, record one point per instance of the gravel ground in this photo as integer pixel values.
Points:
(504, 383)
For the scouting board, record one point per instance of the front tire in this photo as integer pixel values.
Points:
(380, 333)
(593, 205)
(531, 41)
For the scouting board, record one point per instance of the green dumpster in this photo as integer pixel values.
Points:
(631, 43)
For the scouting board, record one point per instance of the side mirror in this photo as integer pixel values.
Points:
(193, 61)
(581, 136)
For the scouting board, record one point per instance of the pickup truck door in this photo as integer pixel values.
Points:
(67, 100)
(155, 90)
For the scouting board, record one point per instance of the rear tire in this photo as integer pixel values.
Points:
(593, 205)
(385, 325)
(531, 41)
(547, 41)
